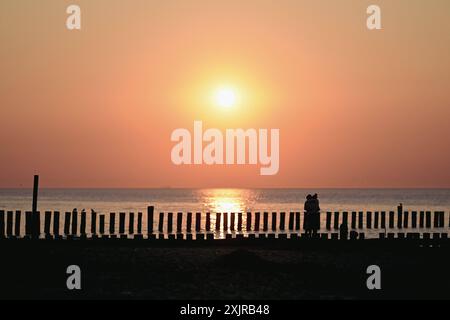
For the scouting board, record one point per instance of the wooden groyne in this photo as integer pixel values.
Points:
(210, 226)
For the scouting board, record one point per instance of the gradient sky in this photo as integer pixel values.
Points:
(96, 107)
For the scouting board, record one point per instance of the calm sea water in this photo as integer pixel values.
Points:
(225, 200)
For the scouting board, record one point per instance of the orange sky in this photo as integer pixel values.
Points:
(96, 107)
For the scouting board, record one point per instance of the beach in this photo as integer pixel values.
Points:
(327, 271)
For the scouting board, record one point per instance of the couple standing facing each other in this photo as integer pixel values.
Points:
(312, 214)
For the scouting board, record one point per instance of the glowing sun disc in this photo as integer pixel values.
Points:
(225, 97)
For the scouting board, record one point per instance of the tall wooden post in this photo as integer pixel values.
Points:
(35, 193)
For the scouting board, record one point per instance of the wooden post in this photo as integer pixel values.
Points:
(139, 223)
(56, 216)
(328, 221)
(297, 221)
(122, 216)
(83, 223)
(345, 218)
(74, 223)
(436, 219)
(35, 193)
(442, 219)
(360, 220)
(249, 221)
(150, 211)
(36, 223)
(67, 223)
(257, 220)
(291, 220)
(112, 223)
(414, 219)
(47, 221)
(240, 221)
(391, 219)
(233, 221)
(131, 223)
(17, 223)
(179, 221)
(9, 223)
(169, 222)
(28, 222)
(428, 219)
(405, 219)
(422, 219)
(383, 220)
(2, 223)
(218, 220)
(399, 216)
(282, 220)
(102, 224)
(225, 221)
(161, 222)
(208, 222)
(336, 220)
(353, 219)
(376, 220)
(274, 221)
(198, 221)
(189, 222)
(93, 223)
(369, 220)
(266, 221)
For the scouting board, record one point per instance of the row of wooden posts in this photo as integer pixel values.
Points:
(374, 220)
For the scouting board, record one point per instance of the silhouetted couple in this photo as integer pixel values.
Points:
(312, 215)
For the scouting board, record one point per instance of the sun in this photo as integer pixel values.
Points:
(226, 97)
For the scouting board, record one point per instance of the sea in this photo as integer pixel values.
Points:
(226, 200)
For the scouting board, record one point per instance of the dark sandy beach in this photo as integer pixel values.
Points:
(223, 272)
